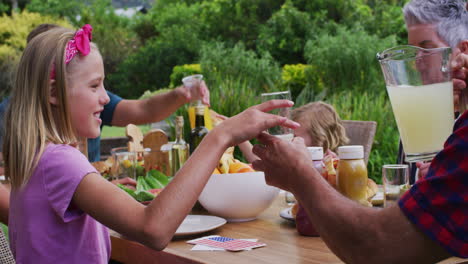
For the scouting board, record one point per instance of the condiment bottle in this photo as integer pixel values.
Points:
(304, 224)
(316, 153)
(352, 173)
(179, 149)
(199, 132)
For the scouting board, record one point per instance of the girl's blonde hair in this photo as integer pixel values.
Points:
(323, 124)
(31, 121)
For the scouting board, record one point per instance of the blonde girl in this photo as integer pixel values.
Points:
(320, 126)
(59, 204)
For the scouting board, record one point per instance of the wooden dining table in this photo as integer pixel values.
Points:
(283, 244)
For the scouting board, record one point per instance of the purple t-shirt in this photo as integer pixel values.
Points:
(45, 226)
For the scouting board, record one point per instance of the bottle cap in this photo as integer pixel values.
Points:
(351, 152)
(316, 153)
(200, 110)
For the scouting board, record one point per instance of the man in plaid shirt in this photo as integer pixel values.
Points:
(438, 203)
(430, 224)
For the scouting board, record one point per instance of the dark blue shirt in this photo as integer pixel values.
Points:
(94, 146)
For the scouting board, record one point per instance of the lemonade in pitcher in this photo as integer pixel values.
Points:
(420, 88)
(413, 106)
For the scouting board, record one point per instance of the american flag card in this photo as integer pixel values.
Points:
(226, 243)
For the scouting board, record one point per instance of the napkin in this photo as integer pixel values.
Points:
(208, 248)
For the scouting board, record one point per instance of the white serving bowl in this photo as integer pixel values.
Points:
(237, 197)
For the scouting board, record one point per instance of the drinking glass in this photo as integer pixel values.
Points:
(395, 180)
(279, 131)
(124, 163)
(421, 94)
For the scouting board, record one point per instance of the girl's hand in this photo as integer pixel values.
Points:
(253, 121)
(282, 161)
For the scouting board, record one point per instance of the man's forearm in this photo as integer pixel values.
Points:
(153, 109)
(359, 234)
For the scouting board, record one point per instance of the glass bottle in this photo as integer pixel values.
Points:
(199, 131)
(352, 173)
(179, 149)
(191, 114)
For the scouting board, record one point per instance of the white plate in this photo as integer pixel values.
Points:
(195, 224)
(286, 214)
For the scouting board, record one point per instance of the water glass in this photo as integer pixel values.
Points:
(395, 180)
(124, 163)
(279, 131)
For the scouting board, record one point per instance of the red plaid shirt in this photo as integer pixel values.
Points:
(438, 203)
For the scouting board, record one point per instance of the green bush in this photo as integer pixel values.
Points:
(347, 59)
(285, 33)
(151, 66)
(70, 9)
(179, 72)
(112, 33)
(223, 64)
(232, 21)
(13, 32)
(302, 79)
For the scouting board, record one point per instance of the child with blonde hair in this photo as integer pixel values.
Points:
(321, 126)
(59, 204)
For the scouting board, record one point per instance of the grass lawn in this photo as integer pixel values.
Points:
(113, 131)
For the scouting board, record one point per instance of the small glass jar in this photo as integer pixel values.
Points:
(352, 173)
(316, 153)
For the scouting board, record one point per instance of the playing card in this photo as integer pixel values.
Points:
(226, 243)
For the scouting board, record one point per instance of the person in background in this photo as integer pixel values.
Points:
(321, 126)
(436, 24)
(121, 112)
(56, 193)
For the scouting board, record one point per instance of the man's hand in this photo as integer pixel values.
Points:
(459, 67)
(199, 93)
(281, 160)
(423, 168)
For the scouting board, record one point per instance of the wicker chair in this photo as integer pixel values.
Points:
(361, 133)
(6, 257)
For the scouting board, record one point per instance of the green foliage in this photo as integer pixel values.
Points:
(61, 8)
(236, 20)
(304, 81)
(285, 33)
(347, 59)
(180, 72)
(111, 32)
(13, 32)
(223, 64)
(150, 67)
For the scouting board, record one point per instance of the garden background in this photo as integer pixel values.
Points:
(320, 50)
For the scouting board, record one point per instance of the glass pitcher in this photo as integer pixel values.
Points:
(420, 88)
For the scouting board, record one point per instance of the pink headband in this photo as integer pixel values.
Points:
(78, 44)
